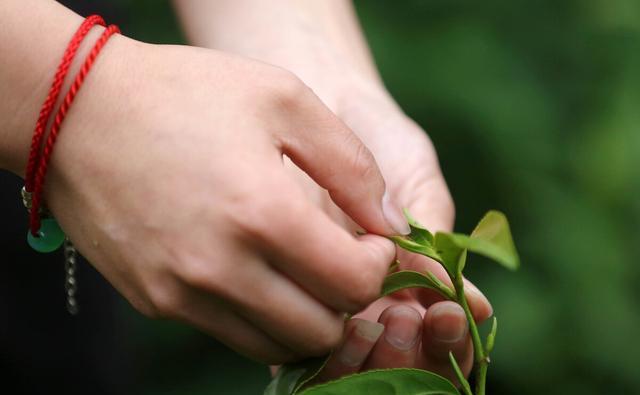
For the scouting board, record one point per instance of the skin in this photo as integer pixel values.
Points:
(321, 42)
(223, 192)
(169, 177)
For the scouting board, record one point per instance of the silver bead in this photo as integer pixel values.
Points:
(26, 198)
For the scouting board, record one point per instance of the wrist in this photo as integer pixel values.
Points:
(303, 37)
(106, 91)
(34, 50)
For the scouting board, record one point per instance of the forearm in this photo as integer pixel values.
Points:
(280, 31)
(34, 35)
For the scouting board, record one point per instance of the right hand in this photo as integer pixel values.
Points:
(168, 176)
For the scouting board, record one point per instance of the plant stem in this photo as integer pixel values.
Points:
(464, 384)
(481, 376)
(481, 359)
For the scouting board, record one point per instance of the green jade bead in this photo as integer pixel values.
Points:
(50, 236)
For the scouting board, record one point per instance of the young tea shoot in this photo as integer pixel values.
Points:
(492, 239)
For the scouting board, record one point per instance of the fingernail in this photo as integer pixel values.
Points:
(394, 216)
(400, 333)
(353, 353)
(369, 330)
(473, 291)
(448, 324)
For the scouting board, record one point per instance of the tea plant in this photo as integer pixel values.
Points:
(492, 239)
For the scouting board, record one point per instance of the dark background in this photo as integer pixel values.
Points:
(534, 108)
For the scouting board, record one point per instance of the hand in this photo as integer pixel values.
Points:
(407, 333)
(168, 177)
(321, 43)
(409, 165)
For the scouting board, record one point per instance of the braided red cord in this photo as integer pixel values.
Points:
(54, 92)
(41, 172)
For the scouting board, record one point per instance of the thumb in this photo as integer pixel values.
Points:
(335, 158)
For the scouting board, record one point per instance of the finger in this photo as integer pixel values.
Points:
(286, 312)
(341, 271)
(478, 303)
(446, 330)
(326, 149)
(268, 300)
(399, 344)
(344, 281)
(361, 336)
(213, 317)
(289, 314)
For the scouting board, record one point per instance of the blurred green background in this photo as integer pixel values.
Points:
(534, 107)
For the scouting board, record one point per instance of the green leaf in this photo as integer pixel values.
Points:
(410, 245)
(291, 377)
(387, 382)
(420, 240)
(410, 279)
(445, 290)
(492, 238)
(452, 255)
(419, 233)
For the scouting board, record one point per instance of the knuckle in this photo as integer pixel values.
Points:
(363, 163)
(326, 339)
(200, 273)
(248, 214)
(359, 163)
(163, 302)
(363, 291)
(287, 89)
(268, 216)
(145, 307)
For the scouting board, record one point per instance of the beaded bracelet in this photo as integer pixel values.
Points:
(45, 234)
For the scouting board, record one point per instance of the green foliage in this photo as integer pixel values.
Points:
(419, 233)
(291, 377)
(451, 255)
(410, 244)
(492, 238)
(410, 279)
(387, 382)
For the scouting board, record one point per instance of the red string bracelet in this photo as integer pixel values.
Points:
(43, 164)
(52, 97)
(45, 234)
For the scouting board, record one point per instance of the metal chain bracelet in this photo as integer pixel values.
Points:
(70, 279)
(70, 260)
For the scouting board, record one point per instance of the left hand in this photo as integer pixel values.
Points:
(410, 328)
